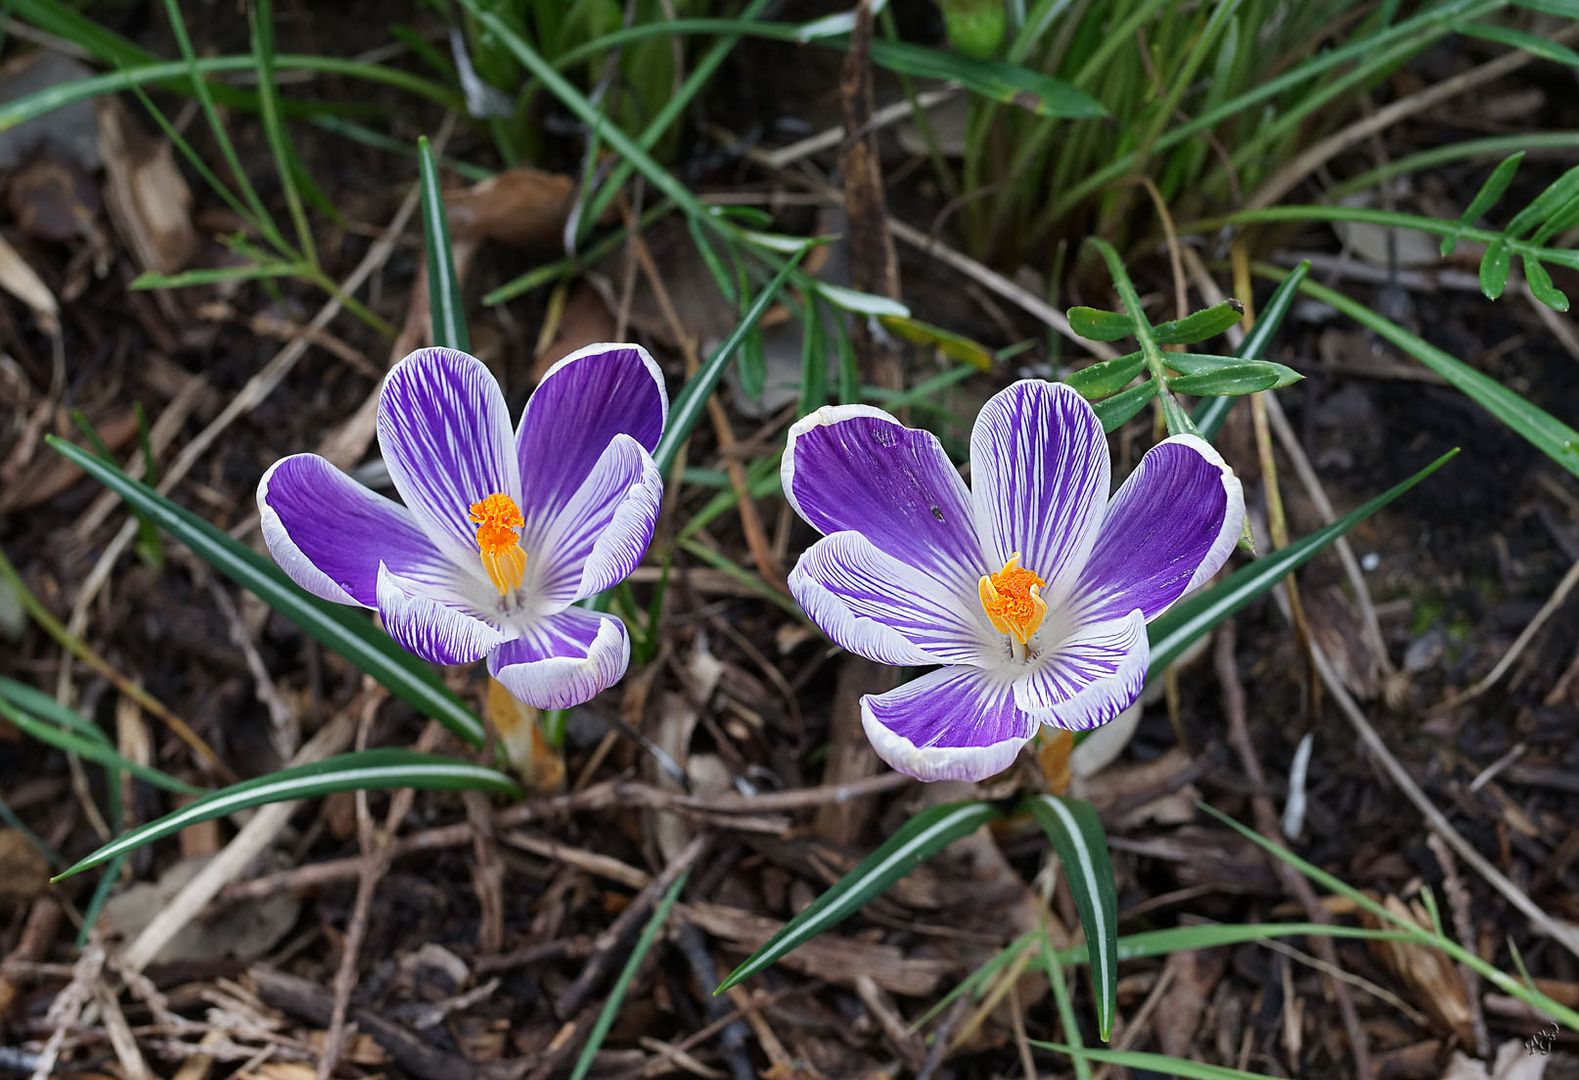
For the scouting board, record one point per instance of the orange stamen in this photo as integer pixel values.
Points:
(498, 543)
(1012, 601)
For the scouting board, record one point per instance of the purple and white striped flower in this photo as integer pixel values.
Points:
(502, 531)
(1029, 592)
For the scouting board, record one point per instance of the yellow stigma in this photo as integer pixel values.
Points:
(497, 518)
(1011, 600)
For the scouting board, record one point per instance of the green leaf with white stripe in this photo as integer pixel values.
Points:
(1077, 836)
(366, 770)
(340, 629)
(100, 752)
(922, 837)
(444, 288)
(1187, 620)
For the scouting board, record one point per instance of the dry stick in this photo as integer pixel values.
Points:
(1558, 598)
(1267, 825)
(1290, 176)
(746, 506)
(1459, 901)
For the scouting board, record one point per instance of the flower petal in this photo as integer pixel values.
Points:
(564, 659)
(329, 533)
(855, 468)
(870, 603)
(597, 538)
(1169, 528)
(583, 402)
(1039, 480)
(434, 621)
(445, 434)
(1090, 677)
(955, 723)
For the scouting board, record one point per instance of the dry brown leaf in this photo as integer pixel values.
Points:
(1195, 974)
(18, 279)
(24, 872)
(50, 474)
(147, 196)
(522, 207)
(1513, 1062)
(1435, 980)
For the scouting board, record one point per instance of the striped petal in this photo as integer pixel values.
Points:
(563, 660)
(1089, 677)
(871, 604)
(596, 538)
(1168, 529)
(329, 533)
(1039, 480)
(436, 621)
(445, 435)
(955, 723)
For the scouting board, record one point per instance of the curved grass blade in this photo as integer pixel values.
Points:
(1210, 415)
(366, 770)
(98, 751)
(1077, 836)
(919, 839)
(337, 628)
(444, 288)
(1193, 616)
(1158, 1064)
(1548, 434)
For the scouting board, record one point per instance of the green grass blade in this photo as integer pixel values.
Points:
(366, 770)
(337, 628)
(1534, 44)
(1153, 943)
(1158, 1064)
(1544, 431)
(1210, 415)
(215, 275)
(918, 839)
(94, 750)
(1195, 615)
(444, 288)
(1076, 833)
(260, 17)
(611, 1007)
(691, 401)
(34, 701)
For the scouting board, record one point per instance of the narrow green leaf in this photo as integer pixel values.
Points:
(1567, 8)
(946, 343)
(690, 402)
(1195, 615)
(611, 1007)
(1231, 380)
(1121, 407)
(1099, 325)
(365, 770)
(150, 279)
(34, 701)
(918, 839)
(1200, 326)
(100, 753)
(1153, 943)
(1000, 81)
(813, 356)
(1494, 269)
(337, 628)
(1196, 364)
(444, 288)
(1548, 202)
(1210, 415)
(1541, 287)
(862, 303)
(1108, 377)
(1547, 433)
(1488, 195)
(260, 18)
(1534, 44)
(1159, 1064)
(1077, 836)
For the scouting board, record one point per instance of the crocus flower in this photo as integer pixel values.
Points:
(1029, 593)
(502, 531)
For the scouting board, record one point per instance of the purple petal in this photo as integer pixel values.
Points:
(955, 723)
(583, 402)
(329, 533)
(857, 469)
(597, 538)
(1090, 677)
(1167, 530)
(434, 620)
(871, 604)
(563, 660)
(1039, 480)
(445, 434)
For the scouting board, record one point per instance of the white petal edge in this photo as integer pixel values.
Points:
(290, 558)
(931, 763)
(430, 627)
(1233, 517)
(562, 682)
(605, 346)
(1102, 700)
(827, 416)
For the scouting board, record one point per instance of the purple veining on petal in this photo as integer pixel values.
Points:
(601, 533)
(329, 533)
(445, 435)
(955, 723)
(583, 402)
(434, 621)
(563, 660)
(1039, 480)
(855, 468)
(1169, 528)
(878, 607)
(1089, 677)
